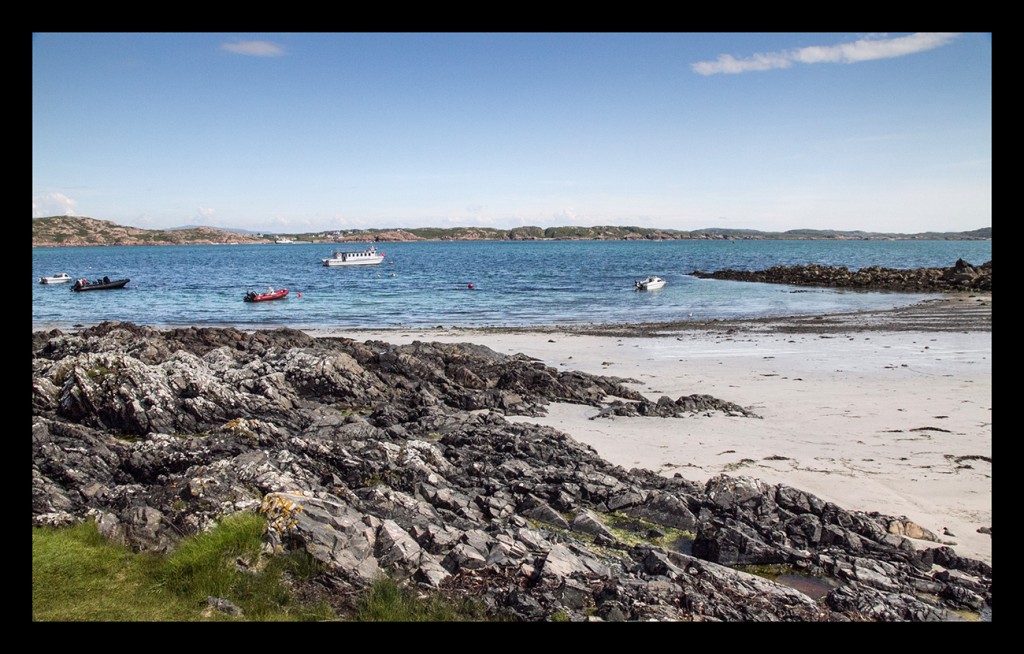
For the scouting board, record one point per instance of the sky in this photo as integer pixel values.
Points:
(308, 132)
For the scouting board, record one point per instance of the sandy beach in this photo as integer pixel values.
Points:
(887, 411)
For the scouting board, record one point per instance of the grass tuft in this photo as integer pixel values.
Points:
(386, 600)
(79, 576)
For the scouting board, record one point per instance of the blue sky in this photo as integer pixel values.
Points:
(299, 132)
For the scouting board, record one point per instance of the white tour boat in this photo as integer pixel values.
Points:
(368, 257)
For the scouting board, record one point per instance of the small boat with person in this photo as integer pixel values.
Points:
(651, 283)
(104, 284)
(59, 278)
(271, 294)
(367, 257)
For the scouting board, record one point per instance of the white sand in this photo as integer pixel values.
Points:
(894, 422)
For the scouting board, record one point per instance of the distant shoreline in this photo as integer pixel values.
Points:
(80, 231)
(377, 239)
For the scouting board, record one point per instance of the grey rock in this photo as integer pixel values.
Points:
(381, 459)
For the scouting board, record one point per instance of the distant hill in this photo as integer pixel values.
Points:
(56, 231)
(234, 230)
(77, 230)
(976, 234)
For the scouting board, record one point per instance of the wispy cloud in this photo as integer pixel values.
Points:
(205, 216)
(568, 215)
(866, 49)
(52, 204)
(254, 48)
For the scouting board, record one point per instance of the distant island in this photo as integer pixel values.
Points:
(71, 231)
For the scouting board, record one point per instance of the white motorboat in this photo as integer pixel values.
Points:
(368, 257)
(56, 279)
(649, 284)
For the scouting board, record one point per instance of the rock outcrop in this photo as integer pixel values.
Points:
(376, 458)
(962, 276)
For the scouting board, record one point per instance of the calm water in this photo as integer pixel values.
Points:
(424, 284)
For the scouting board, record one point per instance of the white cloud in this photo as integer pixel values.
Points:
(866, 49)
(341, 222)
(52, 204)
(568, 216)
(204, 216)
(254, 48)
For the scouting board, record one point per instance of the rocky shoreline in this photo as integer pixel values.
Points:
(374, 457)
(962, 276)
(953, 312)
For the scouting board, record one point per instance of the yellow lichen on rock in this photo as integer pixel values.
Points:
(281, 513)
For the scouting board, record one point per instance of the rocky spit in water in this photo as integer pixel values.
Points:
(377, 458)
(962, 276)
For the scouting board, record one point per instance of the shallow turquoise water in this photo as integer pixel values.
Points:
(425, 284)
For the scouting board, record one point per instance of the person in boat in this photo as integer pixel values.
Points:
(106, 280)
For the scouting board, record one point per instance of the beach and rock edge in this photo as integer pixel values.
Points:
(375, 457)
(950, 312)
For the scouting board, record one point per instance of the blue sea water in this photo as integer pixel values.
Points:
(426, 284)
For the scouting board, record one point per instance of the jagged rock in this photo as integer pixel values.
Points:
(375, 458)
(962, 276)
(587, 522)
(223, 606)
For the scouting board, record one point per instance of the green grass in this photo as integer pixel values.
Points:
(78, 576)
(769, 571)
(632, 531)
(388, 601)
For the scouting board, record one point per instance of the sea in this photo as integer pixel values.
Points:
(475, 284)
